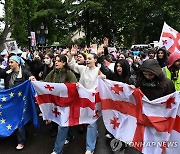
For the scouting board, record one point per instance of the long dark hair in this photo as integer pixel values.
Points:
(125, 71)
(162, 62)
(50, 54)
(63, 59)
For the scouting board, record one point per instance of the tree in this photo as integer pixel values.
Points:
(122, 21)
(83, 15)
(15, 19)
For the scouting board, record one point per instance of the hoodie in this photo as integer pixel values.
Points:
(159, 86)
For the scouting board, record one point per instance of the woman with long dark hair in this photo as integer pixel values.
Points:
(61, 74)
(162, 57)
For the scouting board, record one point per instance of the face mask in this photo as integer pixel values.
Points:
(47, 61)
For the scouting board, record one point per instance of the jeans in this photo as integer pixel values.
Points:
(63, 134)
(21, 135)
(91, 136)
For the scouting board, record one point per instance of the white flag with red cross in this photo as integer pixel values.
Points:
(66, 104)
(149, 126)
(170, 39)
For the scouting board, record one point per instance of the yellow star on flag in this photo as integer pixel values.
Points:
(11, 94)
(3, 121)
(3, 99)
(19, 93)
(0, 105)
(9, 127)
(0, 113)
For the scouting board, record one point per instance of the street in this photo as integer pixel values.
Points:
(40, 142)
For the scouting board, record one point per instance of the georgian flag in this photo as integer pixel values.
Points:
(175, 136)
(149, 126)
(66, 104)
(170, 38)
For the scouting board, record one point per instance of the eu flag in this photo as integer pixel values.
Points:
(17, 107)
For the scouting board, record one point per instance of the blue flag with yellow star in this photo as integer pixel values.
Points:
(17, 107)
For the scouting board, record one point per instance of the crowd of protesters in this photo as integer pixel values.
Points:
(154, 71)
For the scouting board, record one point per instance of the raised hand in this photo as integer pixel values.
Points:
(100, 51)
(74, 49)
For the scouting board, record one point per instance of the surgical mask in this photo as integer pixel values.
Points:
(47, 61)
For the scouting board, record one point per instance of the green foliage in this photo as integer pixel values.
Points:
(122, 21)
(19, 17)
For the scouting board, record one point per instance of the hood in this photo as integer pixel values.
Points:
(172, 58)
(151, 65)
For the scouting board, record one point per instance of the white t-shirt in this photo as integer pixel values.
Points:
(88, 76)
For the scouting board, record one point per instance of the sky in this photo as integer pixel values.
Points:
(1, 10)
(1, 14)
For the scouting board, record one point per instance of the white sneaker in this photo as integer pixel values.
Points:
(89, 152)
(108, 136)
(20, 146)
(40, 115)
(55, 152)
(66, 142)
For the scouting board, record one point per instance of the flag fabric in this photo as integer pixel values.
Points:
(67, 104)
(170, 38)
(175, 136)
(17, 107)
(149, 126)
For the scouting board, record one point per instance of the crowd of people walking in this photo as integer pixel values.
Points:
(154, 71)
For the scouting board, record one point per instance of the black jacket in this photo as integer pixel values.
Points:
(159, 86)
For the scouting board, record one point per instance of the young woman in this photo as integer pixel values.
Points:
(121, 74)
(61, 74)
(81, 59)
(162, 57)
(48, 65)
(88, 77)
(13, 77)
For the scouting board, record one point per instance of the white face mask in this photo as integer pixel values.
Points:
(47, 61)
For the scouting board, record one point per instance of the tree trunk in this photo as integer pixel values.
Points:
(87, 28)
(2, 41)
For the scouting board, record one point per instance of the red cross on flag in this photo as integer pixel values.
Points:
(66, 104)
(170, 39)
(149, 126)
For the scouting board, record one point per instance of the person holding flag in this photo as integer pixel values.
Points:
(88, 78)
(152, 81)
(61, 74)
(16, 75)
